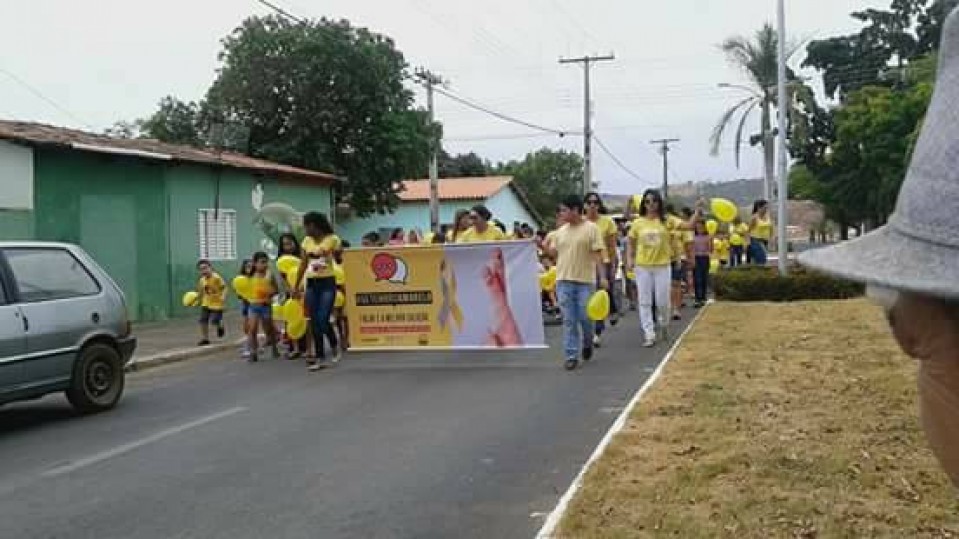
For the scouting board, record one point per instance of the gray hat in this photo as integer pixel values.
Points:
(918, 250)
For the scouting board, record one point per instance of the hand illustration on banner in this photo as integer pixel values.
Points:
(505, 332)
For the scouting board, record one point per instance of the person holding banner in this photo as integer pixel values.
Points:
(482, 230)
(316, 269)
(577, 246)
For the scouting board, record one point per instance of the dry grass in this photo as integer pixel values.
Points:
(810, 431)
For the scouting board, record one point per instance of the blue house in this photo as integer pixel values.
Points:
(498, 193)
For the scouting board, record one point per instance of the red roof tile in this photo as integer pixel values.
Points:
(42, 134)
(478, 188)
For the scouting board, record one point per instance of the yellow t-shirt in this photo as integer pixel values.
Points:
(677, 237)
(263, 287)
(320, 256)
(575, 248)
(607, 228)
(763, 229)
(213, 290)
(653, 242)
(736, 239)
(471, 235)
(721, 249)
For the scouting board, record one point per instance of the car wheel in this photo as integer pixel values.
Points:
(98, 379)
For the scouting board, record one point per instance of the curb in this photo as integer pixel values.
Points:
(179, 354)
(548, 530)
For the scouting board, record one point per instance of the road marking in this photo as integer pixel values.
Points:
(131, 446)
(552, 521)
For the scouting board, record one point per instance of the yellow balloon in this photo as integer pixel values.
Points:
(243, 286)
(291, 277)
(287, 264)
(723, 209)
(712, 226)
(339, 274)
(292, 310)
(597, 308)
(191, 299)
(340, 300)
(637, 202)
(296, 329)
(277, 311)
(714, 265)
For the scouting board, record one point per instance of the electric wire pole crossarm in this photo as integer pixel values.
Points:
(664, 150)
(429, 80)
(587, 62)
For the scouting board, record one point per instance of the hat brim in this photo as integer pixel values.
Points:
(889, 258)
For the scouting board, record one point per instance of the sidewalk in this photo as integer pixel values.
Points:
(175, 340)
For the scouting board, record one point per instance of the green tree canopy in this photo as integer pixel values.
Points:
(546, 176)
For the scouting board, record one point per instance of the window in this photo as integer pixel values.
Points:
(49, 274)
(216, 233)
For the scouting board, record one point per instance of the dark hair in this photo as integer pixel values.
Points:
(658, 198)
(319, 221)
(482, 211)
(758, 205)
(202, 261)
(438, 238)
(292, 238)
(244, 270)
(372, 237)
(670, 207)
(541, 233)
(594, 194)
(573, 202)
(458, 216)
(397, 233)
(687, 212)
(499, 224)
(344, 245)
(260, 255)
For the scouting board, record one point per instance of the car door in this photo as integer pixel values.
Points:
(59, 303)
(13, 340)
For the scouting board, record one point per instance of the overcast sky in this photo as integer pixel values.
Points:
(106, 60)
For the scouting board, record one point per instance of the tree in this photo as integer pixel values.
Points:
(759, 60)
(327, 96)
(546, 176)
(175, 121)
(461, 165)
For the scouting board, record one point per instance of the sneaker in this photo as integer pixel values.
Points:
(204, 342)
(677, 316)
(597, 341)
(220, 331)
(587, 354)
(571, 364)
(314, 366)
(337, 355)
(614, 319)
(649, 342)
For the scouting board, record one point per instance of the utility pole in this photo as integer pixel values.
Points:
(781, 197)
(587, 62)
(663, 144)
(429, 79)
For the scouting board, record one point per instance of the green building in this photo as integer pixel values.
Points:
(145, 210)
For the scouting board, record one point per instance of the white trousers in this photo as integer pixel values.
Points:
(652, 283)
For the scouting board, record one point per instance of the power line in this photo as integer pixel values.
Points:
(616, 160)
(282, 11)
(500, 115)
(46, 99)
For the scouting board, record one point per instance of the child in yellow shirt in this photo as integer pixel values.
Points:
(212, 290)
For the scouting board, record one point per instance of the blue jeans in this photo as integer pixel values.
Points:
(701, 277)
(757, 251)
(735, 256)
(577, 327)
(320, 297)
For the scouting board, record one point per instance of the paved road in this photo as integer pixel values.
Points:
(463, 445)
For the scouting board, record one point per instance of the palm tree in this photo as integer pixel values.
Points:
(759, 60)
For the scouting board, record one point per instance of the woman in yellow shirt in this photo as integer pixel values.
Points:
(316, 268)
(482, 230)
(650, 247)
(607, 229)
(760, 232)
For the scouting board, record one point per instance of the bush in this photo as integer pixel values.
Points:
(752, 283)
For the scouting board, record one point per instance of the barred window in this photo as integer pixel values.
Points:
(216, 234)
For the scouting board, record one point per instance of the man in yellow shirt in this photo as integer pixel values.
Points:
(212, 290)
(577, 247)
(481, 230)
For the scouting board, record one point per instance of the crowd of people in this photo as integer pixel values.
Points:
(652, 258)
